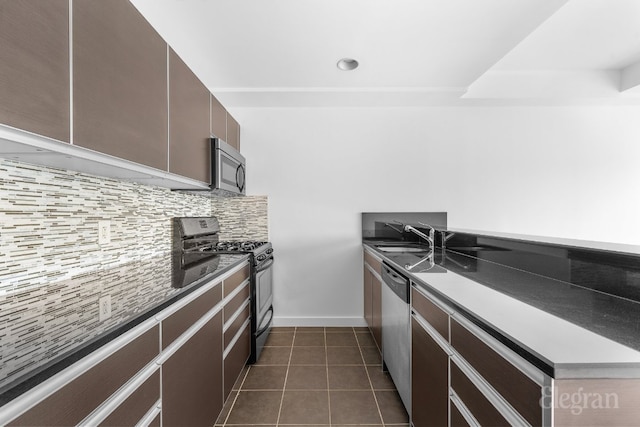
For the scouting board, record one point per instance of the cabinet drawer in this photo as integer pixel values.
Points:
(136, 406)
(474, 400)
(73, 402)
(155, 422)
(373, 262)
(433, 314)
(235, 360)
(236, 280)
(232, 306)
(236, 325)
(183, 319)
(457, 419)
(517, 388)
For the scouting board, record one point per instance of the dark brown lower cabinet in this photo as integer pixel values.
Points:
(373, 297)
(479, 406)
(155, 422)
(522, 393)
(457, 419)
(368, 306)
(376, 310)
(192, 379)
(133, 409)
(236, 359)
(76, 400)
(429, 380)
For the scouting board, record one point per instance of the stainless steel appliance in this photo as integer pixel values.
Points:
(396, 331)
(228, 168)
(261, 289)
(196, 248)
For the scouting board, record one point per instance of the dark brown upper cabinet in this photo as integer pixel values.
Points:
(189, 129)
(233, 132)
(223, 125)
(119, 83)
(218, 119)
(34, 66)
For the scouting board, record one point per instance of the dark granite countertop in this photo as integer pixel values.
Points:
(37, 342)
(582, 301)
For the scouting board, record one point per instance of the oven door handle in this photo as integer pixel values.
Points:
(265, 266)
(261, 331)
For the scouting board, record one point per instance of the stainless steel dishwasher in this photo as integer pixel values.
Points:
(396, 331)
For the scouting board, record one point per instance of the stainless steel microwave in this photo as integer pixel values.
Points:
(227, 168)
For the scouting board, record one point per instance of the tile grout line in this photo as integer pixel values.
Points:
(366, 370)
(286, 376)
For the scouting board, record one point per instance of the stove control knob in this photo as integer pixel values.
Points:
(269, 251)
(262, 257)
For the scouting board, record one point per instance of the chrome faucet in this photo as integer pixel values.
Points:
(429, 238)
(428, 258)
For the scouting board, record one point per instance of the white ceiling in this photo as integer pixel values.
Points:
(269, 53)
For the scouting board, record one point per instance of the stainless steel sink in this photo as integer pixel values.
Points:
(402, 249)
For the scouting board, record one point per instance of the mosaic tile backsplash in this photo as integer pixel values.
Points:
(52, 269)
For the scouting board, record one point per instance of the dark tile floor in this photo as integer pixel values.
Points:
(315, 377)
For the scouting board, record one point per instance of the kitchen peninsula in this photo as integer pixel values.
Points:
(526, 330)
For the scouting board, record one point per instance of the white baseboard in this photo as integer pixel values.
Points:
(318, 321)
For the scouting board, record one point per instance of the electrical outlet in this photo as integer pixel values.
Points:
(104, 232)
(104, 306)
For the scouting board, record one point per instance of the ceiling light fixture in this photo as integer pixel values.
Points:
(347, 64)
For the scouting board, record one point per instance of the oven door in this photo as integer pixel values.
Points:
(264, 290)
(261, 308)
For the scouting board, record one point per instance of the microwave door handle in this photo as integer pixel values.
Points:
(240, 177)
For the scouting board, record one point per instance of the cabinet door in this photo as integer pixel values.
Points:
(376, 310)
(218, 119)
(192, 379)
(233, 132)
(189, 132)
(429, 380)
(119, 83)
(34, 66)
(368, 305)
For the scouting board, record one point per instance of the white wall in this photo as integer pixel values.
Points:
(553, 171)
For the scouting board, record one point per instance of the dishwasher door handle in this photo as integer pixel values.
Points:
(398, 284)
(395, 277)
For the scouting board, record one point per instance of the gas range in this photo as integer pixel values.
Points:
(259, 250)
(196, 244)
(197, 250)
